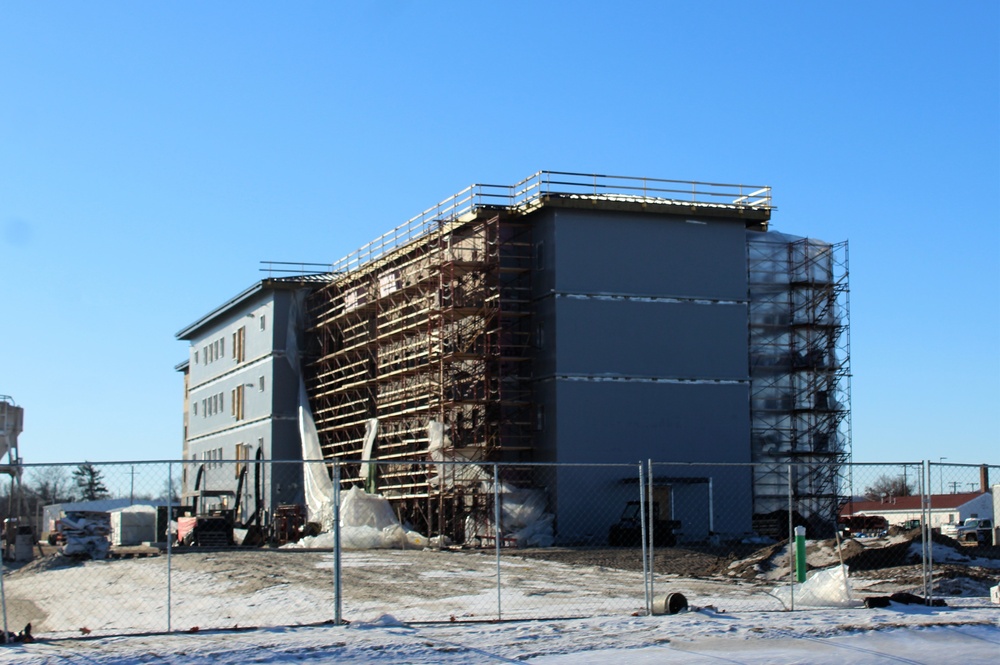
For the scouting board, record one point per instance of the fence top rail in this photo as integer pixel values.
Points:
(488, 463)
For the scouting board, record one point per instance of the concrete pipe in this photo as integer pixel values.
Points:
(672, 603)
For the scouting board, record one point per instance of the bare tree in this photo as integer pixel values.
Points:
(171, 491)
(886, 487)
(52, 484)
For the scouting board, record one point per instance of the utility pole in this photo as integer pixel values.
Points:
(954, 486)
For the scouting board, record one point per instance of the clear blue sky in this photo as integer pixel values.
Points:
(151, 154)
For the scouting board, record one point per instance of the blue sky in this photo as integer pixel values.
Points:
(152, 154)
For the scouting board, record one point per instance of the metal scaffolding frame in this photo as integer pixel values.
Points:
(800, 373)
(437, 331)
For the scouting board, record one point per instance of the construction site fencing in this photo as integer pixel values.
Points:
(149, 547)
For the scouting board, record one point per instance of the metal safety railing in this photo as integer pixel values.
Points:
(533, 191)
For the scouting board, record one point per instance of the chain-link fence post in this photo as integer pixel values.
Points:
(338, 611)
(170, 538)
(3, 594)
(496, 533)
(791, 539)
(926, 534)
(647, 542)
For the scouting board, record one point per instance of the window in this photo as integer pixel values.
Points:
(196, 356)
(237, 396)
(195, 406)
(540, 417)
(204, 408)
(540, 255)
(262, 320)
(222, 347)
(242, 454)
(260, 384)
(539, 335)
(239, 340)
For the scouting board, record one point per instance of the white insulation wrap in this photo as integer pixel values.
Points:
(367, 522)
(318, 486)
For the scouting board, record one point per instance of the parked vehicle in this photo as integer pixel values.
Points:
(975, 530)
(628, 531)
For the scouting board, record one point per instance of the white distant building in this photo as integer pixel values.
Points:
(945, 508)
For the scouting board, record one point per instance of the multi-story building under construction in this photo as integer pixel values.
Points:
(584, 318)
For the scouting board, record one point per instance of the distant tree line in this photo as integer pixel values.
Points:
(888, 487)
(46, 485)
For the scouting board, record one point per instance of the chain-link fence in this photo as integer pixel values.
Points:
(118, 548)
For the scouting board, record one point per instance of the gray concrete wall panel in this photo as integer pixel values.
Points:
(617, 421)
(651, 339)
(644, 254)
(614, 421)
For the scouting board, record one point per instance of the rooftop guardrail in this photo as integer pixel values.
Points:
(532, 191)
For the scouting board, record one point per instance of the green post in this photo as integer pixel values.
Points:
(800, 554)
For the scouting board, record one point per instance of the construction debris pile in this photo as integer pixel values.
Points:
(87, 534)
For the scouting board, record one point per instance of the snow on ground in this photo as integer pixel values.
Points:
(901, 634)
(400, 606)
(943, 554)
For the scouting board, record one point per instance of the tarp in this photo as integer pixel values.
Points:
(318, 488)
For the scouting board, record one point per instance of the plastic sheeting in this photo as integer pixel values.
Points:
(367, 522)
(133, 525)
(368, 471)
(317, 486)
(829, 587)
(523, 518)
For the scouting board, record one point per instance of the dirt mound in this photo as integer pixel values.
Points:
(49, 562)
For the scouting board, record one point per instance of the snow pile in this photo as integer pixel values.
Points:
(945, 554)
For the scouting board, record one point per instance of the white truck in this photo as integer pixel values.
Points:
(973, 530)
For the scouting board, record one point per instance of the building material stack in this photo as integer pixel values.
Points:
(87, 534)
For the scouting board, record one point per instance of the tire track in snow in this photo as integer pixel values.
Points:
(430, 641)
(712, 656)
(850, 647)
(975, 637)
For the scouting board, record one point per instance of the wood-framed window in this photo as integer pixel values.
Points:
(239, 344)
(237, 406)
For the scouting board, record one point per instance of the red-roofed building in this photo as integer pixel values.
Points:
(945, 508)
